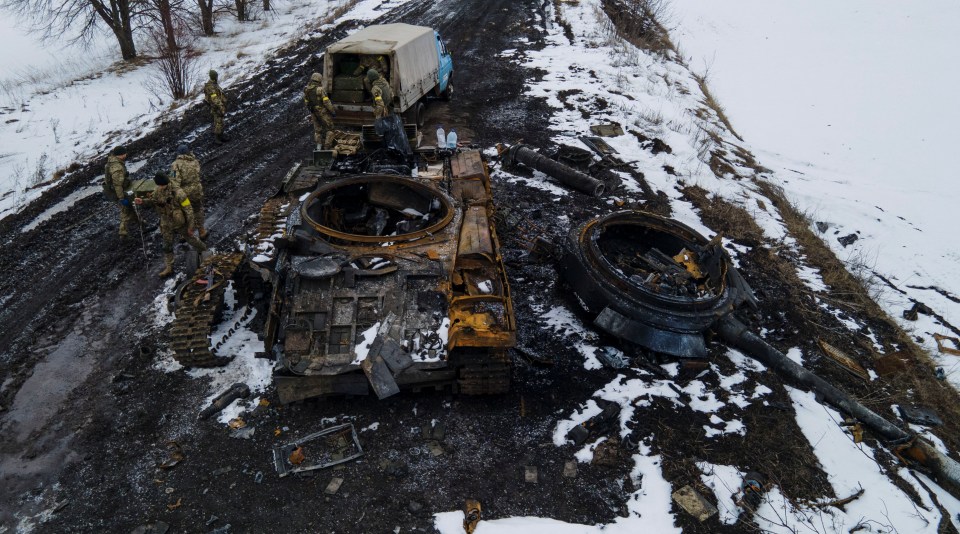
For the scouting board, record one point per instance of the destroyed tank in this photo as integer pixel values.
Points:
(378, 270)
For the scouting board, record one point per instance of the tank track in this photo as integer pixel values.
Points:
(197, 310)
(489, 377)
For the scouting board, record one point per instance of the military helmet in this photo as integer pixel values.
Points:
(182, 149)
(161, 178)
(316, 77)
(119, 150)
(213, 75)
(372, 75)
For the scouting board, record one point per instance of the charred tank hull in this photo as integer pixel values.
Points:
(382, 282)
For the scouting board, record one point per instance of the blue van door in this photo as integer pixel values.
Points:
(444, 71)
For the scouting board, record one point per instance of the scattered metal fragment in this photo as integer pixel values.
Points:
(236, 391)
(176, 455)
(340, 441)
(612, 358)
(334, 486)
(598, 145)
(844, 361)
(596, 425)
(530, 474)
(570, 469)
(471, 515)
(611, 129)
(694, 503)
(943, 348)
(848, 240)
(920, 415)
(175, 505)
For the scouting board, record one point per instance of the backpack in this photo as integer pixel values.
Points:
(310, 97)
(108, 191)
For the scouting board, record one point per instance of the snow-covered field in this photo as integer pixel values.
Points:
(852, 105)
(75, 104)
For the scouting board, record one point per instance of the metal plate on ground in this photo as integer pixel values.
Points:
(329, 447)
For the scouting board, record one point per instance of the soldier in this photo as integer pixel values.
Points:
(368, 62)
(382, 95)
(321, 109)
(176, 218)
(214, 97)
(186, 176)
(117, 179)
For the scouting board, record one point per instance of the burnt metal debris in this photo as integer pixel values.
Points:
(597, 425)
(659, 284)
(562, 173)
(234, 392)
(331, 446)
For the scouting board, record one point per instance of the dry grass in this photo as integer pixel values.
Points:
(728, 219)
(711, 102)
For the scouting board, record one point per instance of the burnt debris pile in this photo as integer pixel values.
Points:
(663, 263)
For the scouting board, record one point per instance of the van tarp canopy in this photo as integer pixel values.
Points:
(413, 48)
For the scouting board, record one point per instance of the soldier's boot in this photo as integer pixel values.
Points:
(168, 268)
(218, 138)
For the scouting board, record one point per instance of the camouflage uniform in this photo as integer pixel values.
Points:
(186, 176)
(176, 218)
(377, 62)
(116, 173)
(214, 97)
(382, 98)
(321, 109)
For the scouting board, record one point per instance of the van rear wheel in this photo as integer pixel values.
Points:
(419, 114)
(447, 93)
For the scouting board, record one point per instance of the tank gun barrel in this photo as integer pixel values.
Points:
(908, 446)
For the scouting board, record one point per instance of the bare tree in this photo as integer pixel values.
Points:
(55, 18)
(242, 6)
(175, 68)
(206, 16)
(168, 17)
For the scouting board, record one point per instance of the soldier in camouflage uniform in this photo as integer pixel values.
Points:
(382, 95)
(186, 176)
(367, 62)
(118, 180)
(321, 110)
(214, 97)
(176, 218)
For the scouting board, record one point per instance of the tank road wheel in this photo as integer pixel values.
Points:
(198, 308)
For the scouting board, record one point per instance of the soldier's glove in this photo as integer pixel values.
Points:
(125, 202)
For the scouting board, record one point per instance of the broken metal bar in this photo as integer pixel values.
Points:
(910, 446)
(563, 174)
(236, 391)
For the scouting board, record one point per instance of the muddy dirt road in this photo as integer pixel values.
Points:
(82, 408)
